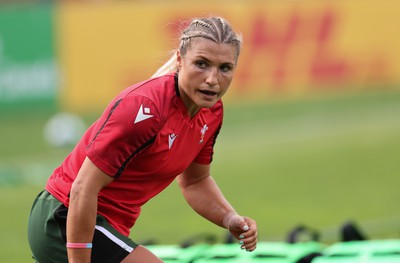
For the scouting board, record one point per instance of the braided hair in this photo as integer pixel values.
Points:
(215, 29)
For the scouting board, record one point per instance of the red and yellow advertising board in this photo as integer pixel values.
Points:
(290, 47)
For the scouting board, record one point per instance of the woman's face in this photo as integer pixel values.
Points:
(205, 73)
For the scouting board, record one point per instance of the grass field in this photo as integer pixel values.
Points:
(317, 162)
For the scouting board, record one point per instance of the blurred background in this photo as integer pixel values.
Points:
(312, 120)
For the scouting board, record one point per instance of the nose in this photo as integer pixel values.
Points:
(212, 77)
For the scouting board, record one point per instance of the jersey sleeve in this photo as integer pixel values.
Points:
(206, 154)
(129, 125)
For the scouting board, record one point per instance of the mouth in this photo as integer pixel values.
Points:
(208, 93)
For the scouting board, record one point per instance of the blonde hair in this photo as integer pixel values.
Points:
(215, 29)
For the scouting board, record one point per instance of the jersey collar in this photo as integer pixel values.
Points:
(178, 94)
(180, 103)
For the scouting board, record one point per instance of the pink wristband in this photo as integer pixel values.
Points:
(79, 245)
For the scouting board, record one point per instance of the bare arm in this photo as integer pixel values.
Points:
(204, 196)
(82, 209)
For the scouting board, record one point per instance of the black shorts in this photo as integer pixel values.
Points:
(47, 234)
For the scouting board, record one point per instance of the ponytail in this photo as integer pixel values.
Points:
(169, 66)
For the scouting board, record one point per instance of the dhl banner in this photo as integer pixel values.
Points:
(290, 47)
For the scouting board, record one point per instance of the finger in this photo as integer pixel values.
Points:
(240, 223)
(242, 227)
(252, 233)
(248, 244)
(250, 222)
(249, 248)
(238, 226)
(248, 240)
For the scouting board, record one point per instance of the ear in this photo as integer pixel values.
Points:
(178, 59)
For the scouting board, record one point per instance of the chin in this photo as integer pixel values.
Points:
(208, 104)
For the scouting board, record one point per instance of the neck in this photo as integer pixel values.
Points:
(191, 107)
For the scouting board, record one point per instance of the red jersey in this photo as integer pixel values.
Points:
(144, 139)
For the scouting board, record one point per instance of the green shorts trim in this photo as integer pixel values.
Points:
(47, 234)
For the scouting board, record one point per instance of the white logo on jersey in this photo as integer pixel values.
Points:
(171, 139)
(203, 132)
(143, 114)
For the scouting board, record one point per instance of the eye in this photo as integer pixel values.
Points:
(226, 67)
(201, 64)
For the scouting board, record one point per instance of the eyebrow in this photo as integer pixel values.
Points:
(202, 57)
(207, 60)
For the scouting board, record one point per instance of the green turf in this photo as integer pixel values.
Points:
(317, 162)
